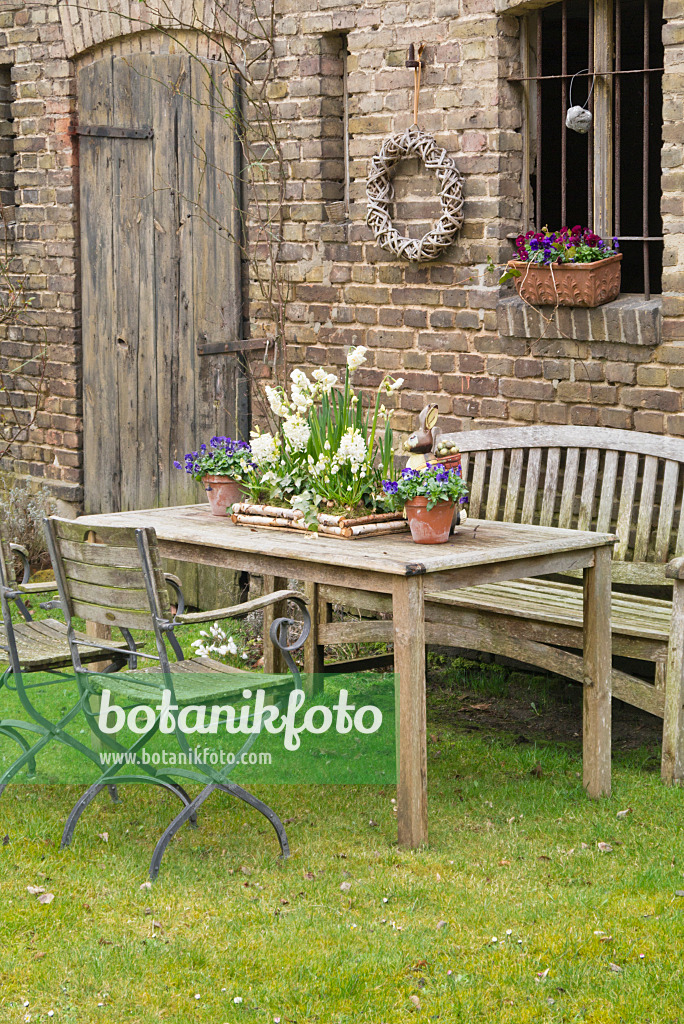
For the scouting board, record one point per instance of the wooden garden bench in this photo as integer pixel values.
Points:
(609, 481)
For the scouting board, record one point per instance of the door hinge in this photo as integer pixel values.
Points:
(106, 131)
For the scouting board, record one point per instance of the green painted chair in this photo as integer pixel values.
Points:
(114, 577)
(39, 646)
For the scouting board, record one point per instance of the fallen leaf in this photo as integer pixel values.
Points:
(416, 1001)
(606, 938)
(345, 886)
(442, 924)
(373, 824)
(537, 771)
(678, 892)
(156, 924)
(616, 968)
(245, 870)
(623, 814)
(5, 840)
(542, 975)
(39, 955)
(543, 856)
(284, 902)
(105, 942)
(146, 885)
(35, 890)
(504, 863)
(47, 897)
(419, 965)
(104, 836)
(605, 847)
(309, 875)
(585, 846)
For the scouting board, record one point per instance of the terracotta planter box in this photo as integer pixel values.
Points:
(572, 284)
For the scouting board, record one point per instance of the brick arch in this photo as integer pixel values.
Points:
(84, 27)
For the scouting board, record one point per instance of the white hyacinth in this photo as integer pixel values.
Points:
(352, 448)
(264, 449)
(297, 432)
(356, 356)
(276, 400)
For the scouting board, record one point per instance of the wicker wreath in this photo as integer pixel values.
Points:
(380, 194)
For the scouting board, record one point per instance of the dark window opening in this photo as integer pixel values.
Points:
(562, 162)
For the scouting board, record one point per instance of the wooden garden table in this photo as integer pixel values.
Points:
(479, 552)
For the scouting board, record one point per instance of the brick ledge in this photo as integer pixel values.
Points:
(629, 319)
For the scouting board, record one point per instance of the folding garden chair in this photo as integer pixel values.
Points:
(34, 646)
(114, 577)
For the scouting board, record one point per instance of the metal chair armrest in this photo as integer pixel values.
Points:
(239, 611)
(177, 588)
(19, 549)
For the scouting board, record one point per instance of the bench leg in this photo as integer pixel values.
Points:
(672, 765)
(408, 612)
(597, 675)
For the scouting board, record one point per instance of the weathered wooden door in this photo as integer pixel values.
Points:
(160, 273)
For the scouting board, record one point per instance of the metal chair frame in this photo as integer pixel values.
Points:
(162, 625)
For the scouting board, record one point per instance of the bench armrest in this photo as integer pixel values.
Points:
(674, 570)
(239, 611)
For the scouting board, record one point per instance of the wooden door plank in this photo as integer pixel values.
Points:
(216, 255)
(134, 256)
(101, 451)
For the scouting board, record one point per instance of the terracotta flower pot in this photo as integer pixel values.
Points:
(571, 284)
(222, 492)
(431, 526)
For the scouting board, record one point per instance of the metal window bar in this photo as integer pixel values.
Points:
(618, 72)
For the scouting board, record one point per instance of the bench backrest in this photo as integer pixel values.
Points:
(584, 478)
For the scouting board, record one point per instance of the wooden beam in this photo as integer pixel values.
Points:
(409, 664)
(596, 731)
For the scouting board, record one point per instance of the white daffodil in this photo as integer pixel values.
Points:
(356, 357)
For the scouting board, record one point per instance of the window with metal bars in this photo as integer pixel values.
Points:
(609, 178)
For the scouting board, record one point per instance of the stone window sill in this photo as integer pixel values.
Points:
(628, 320)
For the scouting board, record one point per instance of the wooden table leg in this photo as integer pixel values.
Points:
(597, 675)
(408, 610)
(274, 663)
(314, 661)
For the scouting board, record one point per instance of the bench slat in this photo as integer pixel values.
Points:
(608, 481)
(624, 520)
(495, 480)
(667, 510)
(569, 488)
(513, 487)
(645, 517)
(586, 512)
(550, 486)
(531, 485)
(477, 486)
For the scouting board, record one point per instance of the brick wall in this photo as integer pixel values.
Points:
(437, 325)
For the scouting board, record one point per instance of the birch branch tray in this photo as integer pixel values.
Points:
(273, 518)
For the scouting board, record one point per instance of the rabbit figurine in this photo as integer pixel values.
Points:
(422, 441)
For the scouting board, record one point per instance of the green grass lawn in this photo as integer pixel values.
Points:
(513, 913)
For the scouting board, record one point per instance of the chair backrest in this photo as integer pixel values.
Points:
(112, 576)
(584, 478)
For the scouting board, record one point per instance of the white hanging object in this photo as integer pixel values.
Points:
(579, 119)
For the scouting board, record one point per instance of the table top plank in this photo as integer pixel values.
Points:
(477, 542)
